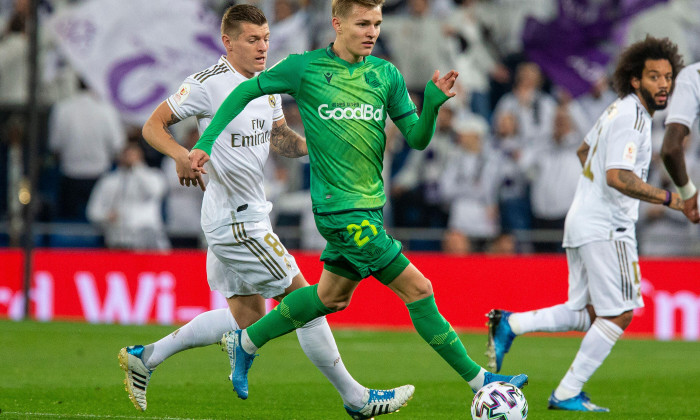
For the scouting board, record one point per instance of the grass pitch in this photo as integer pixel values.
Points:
(70, 371)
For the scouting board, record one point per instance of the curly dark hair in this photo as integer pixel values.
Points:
(633, 59)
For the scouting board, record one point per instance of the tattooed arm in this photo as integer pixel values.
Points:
(157, 134)
(631, 185)
(286, 142)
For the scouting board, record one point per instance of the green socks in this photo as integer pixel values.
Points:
(437, 332)
(294, 311)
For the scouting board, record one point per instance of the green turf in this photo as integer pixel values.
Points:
(70, 370)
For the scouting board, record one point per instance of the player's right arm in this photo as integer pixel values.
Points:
(157, 134)
(628, 183)
(418, 131)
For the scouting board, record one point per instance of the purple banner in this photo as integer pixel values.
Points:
(575, 48)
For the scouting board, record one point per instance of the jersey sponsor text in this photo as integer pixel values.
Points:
(364, 112)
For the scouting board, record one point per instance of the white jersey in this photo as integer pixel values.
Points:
(684, 104)
(620, 139)
(235, 192)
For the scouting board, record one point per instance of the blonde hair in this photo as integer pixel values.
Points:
(234, 16)
(342, 8)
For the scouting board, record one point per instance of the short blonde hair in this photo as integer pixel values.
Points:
(342, 8)
(234, 16)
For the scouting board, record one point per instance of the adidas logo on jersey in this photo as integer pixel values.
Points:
(364, 112)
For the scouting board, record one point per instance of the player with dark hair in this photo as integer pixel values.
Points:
(599, 233)
(245, 260)
(344, 96)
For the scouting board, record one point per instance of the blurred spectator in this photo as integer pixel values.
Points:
(421, 33)
(183, 205)
(586, 109)
(415, 188)
(673, 19)
(473, 59)
(87, 135)
(127, 204)
(554, 169)
(290, 29)
(505, 20)
(512, 185)
(467, 186)
(533, 108)
(14, 62)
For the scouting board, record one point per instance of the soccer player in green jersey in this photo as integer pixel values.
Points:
(344, 96)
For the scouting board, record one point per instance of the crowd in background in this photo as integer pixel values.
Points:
(498, 176)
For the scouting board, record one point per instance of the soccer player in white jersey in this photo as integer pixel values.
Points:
(599, 233)
(683, 110)
(245, 260)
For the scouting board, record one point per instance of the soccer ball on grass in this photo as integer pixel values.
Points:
(499, 401)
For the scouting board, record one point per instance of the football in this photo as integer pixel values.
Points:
(499, 401)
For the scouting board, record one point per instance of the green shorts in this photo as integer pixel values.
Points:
(359, 247)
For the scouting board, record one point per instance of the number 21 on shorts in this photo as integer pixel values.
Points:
(358, 231)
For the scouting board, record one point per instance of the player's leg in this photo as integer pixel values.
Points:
(336, 285)
(404, 279)
(614, 283)
(504, 326)
(318, 344)
(298, 308)
(205, 329)
(316, 339)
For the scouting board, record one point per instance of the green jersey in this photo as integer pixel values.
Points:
(344, 108)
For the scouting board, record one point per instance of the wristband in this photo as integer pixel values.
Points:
(667, 201)
(687, 191)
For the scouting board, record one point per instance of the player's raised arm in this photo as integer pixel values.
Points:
(156, 133)
(418, 131)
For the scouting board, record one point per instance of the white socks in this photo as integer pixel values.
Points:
(316, 339)
(205, 329)
(554, 319)
(595, 347)
(478, 381)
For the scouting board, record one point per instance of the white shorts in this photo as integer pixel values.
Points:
(248, 259)
(606, 275)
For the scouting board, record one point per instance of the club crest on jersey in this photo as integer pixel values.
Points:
(271, 100)
(371, 79)
(182, 93)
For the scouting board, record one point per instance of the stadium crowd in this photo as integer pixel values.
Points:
(499, 175)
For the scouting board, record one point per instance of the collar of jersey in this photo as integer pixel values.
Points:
(228, 64)
(334, 56)
(641, 105)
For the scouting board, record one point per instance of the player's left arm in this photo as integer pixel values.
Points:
(628, 183)
(418, 131)
(674, 159)
(286, 142)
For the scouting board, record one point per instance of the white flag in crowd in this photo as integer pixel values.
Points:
(136, 53)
